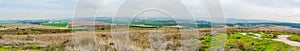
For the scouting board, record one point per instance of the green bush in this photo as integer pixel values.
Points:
(294, 38)
(267, 36)
(250, 34)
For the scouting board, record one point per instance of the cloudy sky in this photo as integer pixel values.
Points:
(277, 10)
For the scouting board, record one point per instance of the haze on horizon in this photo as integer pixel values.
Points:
(276, 10)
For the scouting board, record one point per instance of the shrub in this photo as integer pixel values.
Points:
(294, 38)
(267, 36)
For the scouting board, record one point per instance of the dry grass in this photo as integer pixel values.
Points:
(139, 39)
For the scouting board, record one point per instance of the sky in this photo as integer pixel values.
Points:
(276, 10)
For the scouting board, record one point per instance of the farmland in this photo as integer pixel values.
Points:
(56, 24)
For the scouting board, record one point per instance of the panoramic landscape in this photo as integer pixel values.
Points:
(46, 35)
(149, 25)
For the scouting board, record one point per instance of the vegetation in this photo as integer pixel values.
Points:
(239, 42)
(293, 25)
(267, 36)
(234, 42)
(9, 23)
(57, 24)
(152, 23)
(30, 31)
(262, 35)
(207, 40)
(294, 38)
(34, 29)
(245, 43)
(25, 47)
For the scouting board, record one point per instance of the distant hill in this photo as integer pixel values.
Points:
(228, 20)
(233, 20)
(204, 23)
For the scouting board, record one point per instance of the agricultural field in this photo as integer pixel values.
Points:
(10, 23)
(56, 24)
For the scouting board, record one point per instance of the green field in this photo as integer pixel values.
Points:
(9, 23)
(56, 24)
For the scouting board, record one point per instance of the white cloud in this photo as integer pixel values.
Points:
(277, 10)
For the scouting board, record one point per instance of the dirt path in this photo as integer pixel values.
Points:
(283, 38)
